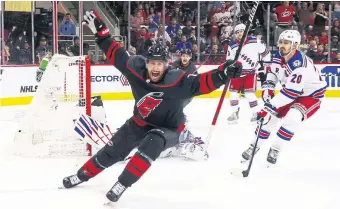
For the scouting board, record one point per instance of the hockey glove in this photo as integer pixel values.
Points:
(268, 91)
(266, 113)
(97, 25)
(231, 69)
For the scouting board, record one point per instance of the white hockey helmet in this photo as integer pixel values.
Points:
(239, 27)
(290, 35)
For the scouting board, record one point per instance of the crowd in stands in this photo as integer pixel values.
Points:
(179, 29)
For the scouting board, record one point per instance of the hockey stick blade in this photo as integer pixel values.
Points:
(239, 172)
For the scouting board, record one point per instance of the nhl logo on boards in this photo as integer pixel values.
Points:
(124, 81)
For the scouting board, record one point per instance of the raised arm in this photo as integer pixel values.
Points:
(205, 83)
(116, 54)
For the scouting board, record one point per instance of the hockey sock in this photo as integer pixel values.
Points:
(284, 136)
(263, 135)
(253, 105)
(90, 169)
(134, 170)
(234, 101)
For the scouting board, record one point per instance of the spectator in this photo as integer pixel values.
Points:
(67, 27)
(187, 29)
(42, 49)
(173, 28)
(337, 57)
(323, 38)
(215, 57)
(320, 55)
(86, 51)
(335, 46)
(75, 49)
(335, 31)
(192, 37)
(136, 21)
(143, 34)
(305, 14)
(214, 42)
(160, 34)
(155, 16)
(25, 54)
(184, 44)
(177, 38)
(223, 16)
(153, 26)
(142, 13)
(320, 17)
(285, 16)
(336, 12)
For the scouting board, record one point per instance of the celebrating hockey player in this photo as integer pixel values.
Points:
(298, 100)
(158, 115)
(249, 57)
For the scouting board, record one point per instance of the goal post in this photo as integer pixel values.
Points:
(64, 92)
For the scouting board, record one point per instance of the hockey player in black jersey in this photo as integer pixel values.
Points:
(158, 115)
(185, 63)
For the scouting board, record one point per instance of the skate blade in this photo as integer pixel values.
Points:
(232, 122)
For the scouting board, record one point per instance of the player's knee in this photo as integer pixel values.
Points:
(293, 118)
(152, 146)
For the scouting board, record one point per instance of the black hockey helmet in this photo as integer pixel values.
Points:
(185, 51)
(158, 52)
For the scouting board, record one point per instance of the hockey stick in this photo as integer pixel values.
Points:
(245, 173)
(226, 86)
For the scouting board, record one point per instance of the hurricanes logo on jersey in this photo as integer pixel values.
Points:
(149, 103)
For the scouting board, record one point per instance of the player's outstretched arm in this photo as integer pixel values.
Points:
(116, 54)
(208, 82)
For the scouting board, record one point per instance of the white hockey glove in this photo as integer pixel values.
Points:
(268, 88)
(96, 24)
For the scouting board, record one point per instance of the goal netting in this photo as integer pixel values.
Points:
(46, 130)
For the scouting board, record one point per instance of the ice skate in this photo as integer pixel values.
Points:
(248, 153)
(71, 181)
(116, 192)
(272, 156)
(233, 118)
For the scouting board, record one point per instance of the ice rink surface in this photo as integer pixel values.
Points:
(306, 177)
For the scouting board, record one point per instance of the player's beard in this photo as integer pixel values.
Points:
(283, 52)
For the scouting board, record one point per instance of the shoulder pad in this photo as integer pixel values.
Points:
(138, 64)
(277, 58)
(172, 76)
(232, 44)
(297, 61)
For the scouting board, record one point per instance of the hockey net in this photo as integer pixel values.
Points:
(46, 130)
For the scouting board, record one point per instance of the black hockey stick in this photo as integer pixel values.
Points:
(245, 173)
(226, 86)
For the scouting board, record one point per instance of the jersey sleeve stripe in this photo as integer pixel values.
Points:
(210, 81)
(263, 54)
(110, 52)
(204, 89)
(290, 93)
(320, 93)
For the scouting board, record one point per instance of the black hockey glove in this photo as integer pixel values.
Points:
(231, 69)
(97, 25)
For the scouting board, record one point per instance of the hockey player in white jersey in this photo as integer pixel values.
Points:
(252, 50)
(298, 100)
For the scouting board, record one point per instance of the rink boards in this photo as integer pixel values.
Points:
(18, 84)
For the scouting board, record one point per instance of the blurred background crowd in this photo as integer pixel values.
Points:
(204, 27)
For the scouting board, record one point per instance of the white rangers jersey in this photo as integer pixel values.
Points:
(252, 50)
(298, 77)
